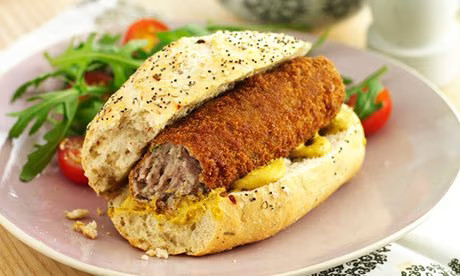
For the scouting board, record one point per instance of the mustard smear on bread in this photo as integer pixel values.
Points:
(190, 208)
(340, 123)
(317, 146)
(261, 176)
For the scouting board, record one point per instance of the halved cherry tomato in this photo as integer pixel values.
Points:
(376, 120)
(98, 78)
(69, 158)
(145, 29)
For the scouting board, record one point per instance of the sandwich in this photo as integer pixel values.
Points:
(222, 140)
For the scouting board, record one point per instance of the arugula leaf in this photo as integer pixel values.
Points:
(347, 80)
(39, 159)
(359, 87)
(108, 41)
(73, 58)
(319, 41)
(68, 111)
(49, 101)
(87, 110)
(121, 72)
(97, 91)
(365, 102)
(366, 93)
(33, 82)
(88, 52)
(39, 121)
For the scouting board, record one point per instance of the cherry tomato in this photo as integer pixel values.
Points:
(98, 78)
(145, 29)
(376, 120)
(379, 118)
(352, 101)
(69, 158)
(95, 78)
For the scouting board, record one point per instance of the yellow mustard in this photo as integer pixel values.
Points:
(319, 146)
(259, 177)
(339, 123)
(189, 209)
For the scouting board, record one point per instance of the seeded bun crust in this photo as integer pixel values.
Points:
(166, 87)
(252, 215)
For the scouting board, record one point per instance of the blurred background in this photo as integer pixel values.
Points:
(421, 33)
(18, 17)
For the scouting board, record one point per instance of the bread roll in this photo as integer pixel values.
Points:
(169, 85)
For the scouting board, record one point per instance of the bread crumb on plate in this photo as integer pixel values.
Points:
(100, 212)
(145, 257)
(88, 230)
(158, 252)
(76, 214)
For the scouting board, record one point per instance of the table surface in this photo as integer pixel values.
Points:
(18, 17)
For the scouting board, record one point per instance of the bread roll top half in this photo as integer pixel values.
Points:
(166, 87)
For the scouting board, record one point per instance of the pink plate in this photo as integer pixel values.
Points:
(409, 166)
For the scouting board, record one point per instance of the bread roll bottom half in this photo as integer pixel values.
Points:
(223, 219)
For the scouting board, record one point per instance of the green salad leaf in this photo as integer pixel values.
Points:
(319, 41)
(347, 80)
(356, 89)
(42, 155)
(67, 111)
(366, 93)
(365, 103)
(35, 82)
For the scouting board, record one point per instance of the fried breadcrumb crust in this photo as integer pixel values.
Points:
(262, 118)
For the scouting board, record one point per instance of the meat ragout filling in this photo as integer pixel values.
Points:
(167, 173)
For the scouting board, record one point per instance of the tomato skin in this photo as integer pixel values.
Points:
(146, 28)
(69, 159)
(379, 118)
(98, 78)
(352, 101)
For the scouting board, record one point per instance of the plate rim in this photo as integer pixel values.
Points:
(93, 269)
